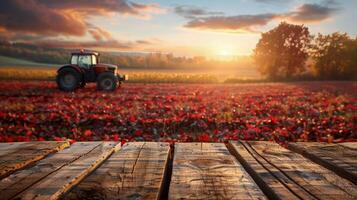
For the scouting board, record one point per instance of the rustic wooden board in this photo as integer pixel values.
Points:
(56, 174)
(21, 180)
(351, 145)
(135, 172)
(340, 158)
(284, 174)
(15, 156)
(209, 171)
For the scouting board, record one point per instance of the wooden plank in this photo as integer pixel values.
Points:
(21, 180)
(6, 148)
(272, 181)
(135, 172)
(284, 174)
(209, 171)
(56, 174)
(15, 156)
(351, 145)
(340, 158)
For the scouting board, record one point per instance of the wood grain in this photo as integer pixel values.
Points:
(209, 171)
(15, 156)
(340, 158)
(55, 175)
(287, 175)
(141, 170)
(21, 180)
(135, 172)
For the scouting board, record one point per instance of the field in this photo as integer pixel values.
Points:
(136, 75)
(316, 111)
(18, 69)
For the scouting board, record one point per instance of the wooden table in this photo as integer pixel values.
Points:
(154, 170)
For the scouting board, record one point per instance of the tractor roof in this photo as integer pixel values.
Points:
(85, 52)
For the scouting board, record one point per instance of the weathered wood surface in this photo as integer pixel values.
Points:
(21, 180)
(340, 158)
(54, 175)
(209, 171)
(135, 172)
(351, 145)
(141, 170)
(15, 156)
(284, 174)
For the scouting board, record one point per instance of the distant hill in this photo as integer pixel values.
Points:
(15, 62)
(127, 53)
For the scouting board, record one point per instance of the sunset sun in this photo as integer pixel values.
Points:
(226, 52)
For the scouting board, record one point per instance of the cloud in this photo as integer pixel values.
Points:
(144, 42)
(64, 17)
(273, 1)
(101, 7)
(310, 13)
(204, 20)
(28, 16)
(100, 34)
(240, 23)
(193, 12)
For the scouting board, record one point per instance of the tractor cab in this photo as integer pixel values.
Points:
(84, 67)
(85, 59)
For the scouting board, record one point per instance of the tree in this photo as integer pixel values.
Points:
(334, 56)
(283, 51)
(351, 69)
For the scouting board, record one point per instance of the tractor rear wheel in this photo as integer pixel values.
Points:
(68, 79)
(107, 81)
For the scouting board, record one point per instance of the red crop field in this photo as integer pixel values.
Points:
(320, 111)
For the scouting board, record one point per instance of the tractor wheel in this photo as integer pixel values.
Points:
(82, 84)
(107, 81)
(68, 79)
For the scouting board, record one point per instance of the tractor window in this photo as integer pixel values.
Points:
(74, 60)
(94, 59)
(85, 61)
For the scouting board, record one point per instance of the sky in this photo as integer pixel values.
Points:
(210, 28)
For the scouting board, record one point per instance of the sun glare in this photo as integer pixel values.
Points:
(226, 52)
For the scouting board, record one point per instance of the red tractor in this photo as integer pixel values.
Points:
(84, 68)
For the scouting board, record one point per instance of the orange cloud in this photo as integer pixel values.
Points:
(216, 21)
(64, 17)
(28, 16)
(100, 34)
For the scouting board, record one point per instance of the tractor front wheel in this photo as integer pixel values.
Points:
(107, 81)
(68, 79)
(82, 84)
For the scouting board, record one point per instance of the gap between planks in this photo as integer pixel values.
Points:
(138, 171)
(283, 174)
(51, 177)
(340, 158)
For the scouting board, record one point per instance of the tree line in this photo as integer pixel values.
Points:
(290, 52)
(124, 60)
